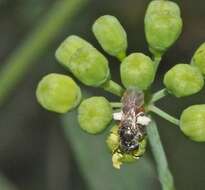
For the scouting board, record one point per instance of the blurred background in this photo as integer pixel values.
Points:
(40, 150)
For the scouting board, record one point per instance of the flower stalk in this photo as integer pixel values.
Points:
(157, 60)
(165, 176)
(159, 95)
(113, 88)
(164, 115)
(116, 104)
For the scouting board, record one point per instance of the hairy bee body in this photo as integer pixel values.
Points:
(130, 131)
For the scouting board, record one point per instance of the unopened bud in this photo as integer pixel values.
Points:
(137, 71)
(89, 66)
(58, 93)
(183, 80)
(163, 25)
(111, 35)
(199, 58)
(94, 114)
(192, 122)
(68, 47)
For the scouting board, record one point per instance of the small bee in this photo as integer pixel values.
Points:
(132, 121)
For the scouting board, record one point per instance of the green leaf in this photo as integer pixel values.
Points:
(5, 184)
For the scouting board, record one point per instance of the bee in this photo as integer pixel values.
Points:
(132, 121)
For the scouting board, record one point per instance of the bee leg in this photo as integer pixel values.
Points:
(117, 150)
(138, 156)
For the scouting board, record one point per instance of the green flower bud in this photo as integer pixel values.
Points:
(68, 47)
(94, 114)
(89, 66)
(199, 58)
(58, 93)
(137, 70)
(111, 35)
(163, 25)
(192, 122)
(113, 141)
(183, 80)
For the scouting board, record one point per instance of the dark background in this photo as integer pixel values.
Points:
(37, 153)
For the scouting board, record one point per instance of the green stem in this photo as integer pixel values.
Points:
(6, 184)
(116, 104)
(157, 60)
(121, 56)
(37, 42)
(159, 95)
(165, 176)
(163, 114)
(113, 87)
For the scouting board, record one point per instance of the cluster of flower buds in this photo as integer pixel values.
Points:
(163, 25)
(185, 80)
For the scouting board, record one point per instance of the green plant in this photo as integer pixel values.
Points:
(163, 25)
(36, 43)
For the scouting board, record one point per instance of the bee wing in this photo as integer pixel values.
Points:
(143, 120)
(132, 97)
(117, 116)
